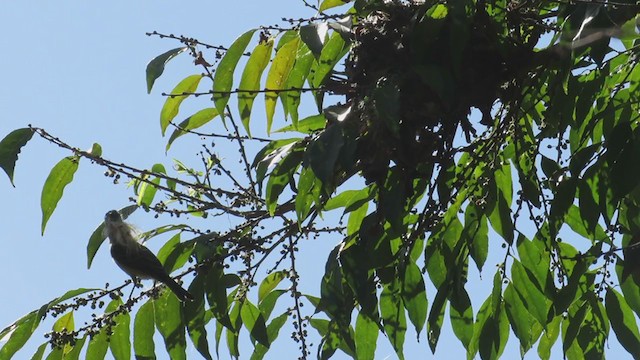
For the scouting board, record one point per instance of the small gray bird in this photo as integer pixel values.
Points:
(134, 258)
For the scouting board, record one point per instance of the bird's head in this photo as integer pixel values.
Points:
(112, 217)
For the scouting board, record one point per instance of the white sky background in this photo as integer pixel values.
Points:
(77, 70)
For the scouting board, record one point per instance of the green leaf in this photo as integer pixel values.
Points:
(223, 77)
(155, 67)
(461, 314)
(436, 317)
(623, 322)
(168, 318)
(366, 337)
(217, 296)
(281, 66)
(549, 337)
(328, 4)
(331, 53)
(119, 342)
(98, 345)
(589, 210)
(191, 123)
(254, 322)
(171, 106)
(197, 317)
(281, 175)
(322, 154)
(297, 76)
(534, 300)
(308, 125)
(522, 323)
(40, 351)
(143, 330)
(414, 296)
(10, 147)
(16, 335)
(269, 283)
(98, 236)
(74, 352)
(272, 331)
(494, 334)
(476, 234)
(500, 217)
(250, 80)
(308, 192)
(269, 302)
(59, 177)
(386, 97)
(147, 190)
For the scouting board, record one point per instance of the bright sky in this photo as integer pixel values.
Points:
(77, 70)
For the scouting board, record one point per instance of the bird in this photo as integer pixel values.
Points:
(136, 259)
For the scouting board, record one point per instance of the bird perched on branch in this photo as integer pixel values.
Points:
(134, 258)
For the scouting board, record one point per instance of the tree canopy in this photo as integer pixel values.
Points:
(442, 129)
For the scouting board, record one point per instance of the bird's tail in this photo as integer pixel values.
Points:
(180, 292)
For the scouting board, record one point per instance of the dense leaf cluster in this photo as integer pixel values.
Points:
(551, 154)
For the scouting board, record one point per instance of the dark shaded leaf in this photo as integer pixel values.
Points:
(10, 147)
(155, 67)
(461, 314)
(323, 152)
(623, 322)
(414, 296)
(196, 317)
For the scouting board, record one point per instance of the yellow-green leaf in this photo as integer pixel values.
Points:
(250, 80)
(59, 177)
(177, 96)
(223, 77)
(277, 76)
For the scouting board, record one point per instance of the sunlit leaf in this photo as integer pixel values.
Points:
(250, 81)
(168, 319)
(143, 330)
(269, 283)
(60, 176)
(223, 77)
(281, 66)
(191, 123)
(119, 339)
(171, 106)
(255, 323)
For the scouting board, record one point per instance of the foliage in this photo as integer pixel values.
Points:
(551, 157)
